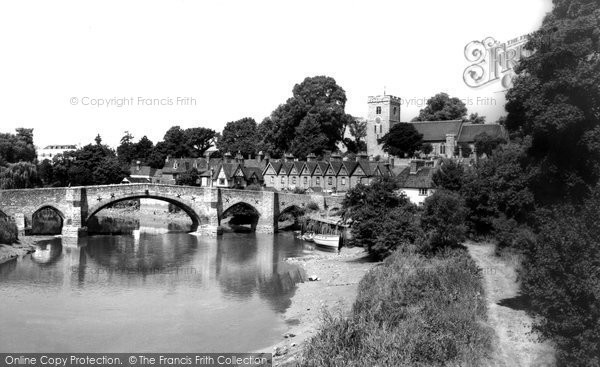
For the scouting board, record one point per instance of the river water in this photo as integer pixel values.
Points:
(149, 292)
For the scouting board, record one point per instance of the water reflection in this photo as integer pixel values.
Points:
(215, 294)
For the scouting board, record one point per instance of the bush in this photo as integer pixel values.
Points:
(442, 221)
(254, 187)
(561, 274)
(9, 233)
(412, 311)
(312, 206)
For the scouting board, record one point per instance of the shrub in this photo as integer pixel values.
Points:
(442, 221)
(8, 231)
(561, 273)
(254, 187)
(412, 311)
(312, 206)
(298, 190)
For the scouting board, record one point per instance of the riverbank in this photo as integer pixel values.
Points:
(515, 343)
(335, 290)
(23, 247)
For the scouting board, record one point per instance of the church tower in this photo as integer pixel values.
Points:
(384, 113)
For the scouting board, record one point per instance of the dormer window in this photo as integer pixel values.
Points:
(378, 110)
(175, 165)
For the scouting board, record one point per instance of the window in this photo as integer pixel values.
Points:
(375, 129)
(282, 180)
(442, 149)
(294, 180)
(272, 179)
(395, 110)
(422, 192)
(221, 181)
(378, 110)
(318, 180)
(175, 165)
(305, 180)
(330, 181)
(343, 180)
(380, 128)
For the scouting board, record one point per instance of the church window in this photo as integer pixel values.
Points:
(442, 149)
(380, 128)
(375, 129)
(395, 110)
(378, 110)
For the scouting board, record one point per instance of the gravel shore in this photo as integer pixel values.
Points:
(336, 288)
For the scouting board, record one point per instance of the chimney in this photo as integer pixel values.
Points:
(227, 157)
(362, 156)
(415, 165)
(260, 156)
(311, 157)
(239, 158)
(335, 157)
(167, 159)
(289, 157)
(137, 165)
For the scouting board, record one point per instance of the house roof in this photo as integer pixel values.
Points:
(310, 166)
(423, 179)
(470, 131)
(336, 166)
(249, 171)
(228, 168)
(437, 130)
(350, 166)
(146, 171)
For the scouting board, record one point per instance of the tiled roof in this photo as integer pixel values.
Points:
(350, 166)
(311, 167)
(470, 131)
(437, 130)
(248, 171)
(423, 179)
(145, 171)
(336, 166)
(323, 166)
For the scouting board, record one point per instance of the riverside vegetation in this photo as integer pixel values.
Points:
(425, 304)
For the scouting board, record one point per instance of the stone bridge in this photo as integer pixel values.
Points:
(206, 206)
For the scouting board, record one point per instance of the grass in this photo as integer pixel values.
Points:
(411, 311)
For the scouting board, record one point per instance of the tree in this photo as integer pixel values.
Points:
(486, 144)
(126, 150)
(266, 138)
(474, 118)
(402, 139)
(21, 175)
(309, 138)
(555, 101)
(427, 148)
(239, 136)
(442, 107)
(198, 140)
(560, 275)
(443, 221)
(449, 176)
(143, 149)
(358, 130)
(463, 150)
(17, 147)
(188, 178)
(318, 97)
(175, 143)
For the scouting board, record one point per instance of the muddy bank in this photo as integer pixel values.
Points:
(24, 247)
(336, 288)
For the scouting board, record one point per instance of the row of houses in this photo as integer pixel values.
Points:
(334, 175)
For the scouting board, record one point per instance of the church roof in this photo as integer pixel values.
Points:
(436, 130)
(470, 131)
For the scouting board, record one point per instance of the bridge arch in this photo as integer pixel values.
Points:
(47, 219)
(194, 216)
(245, 213)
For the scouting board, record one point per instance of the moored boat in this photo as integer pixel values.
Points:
(331, 241)
(309, 236)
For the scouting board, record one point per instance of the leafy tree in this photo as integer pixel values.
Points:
(175, 143)
(449, 176)
(126, 150)
(239, 136)
(442, 107)
(143, 149)
(309, 138)
(17, 147)
(266, 138)
(188, 178)
(474, 118)
(402, 139)
(427, 148)
(560, 275)
(486, 144)
(46, 172)
(358, 130)
(198, 140)
(318, 97)
(21, 175)
(555, 101)
(375, 211)
(465, 148)
(443, 221)
(93, 164)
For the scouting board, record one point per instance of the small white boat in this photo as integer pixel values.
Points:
(308, 236)
(331, 241)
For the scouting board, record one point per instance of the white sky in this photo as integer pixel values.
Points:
(235, 58)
